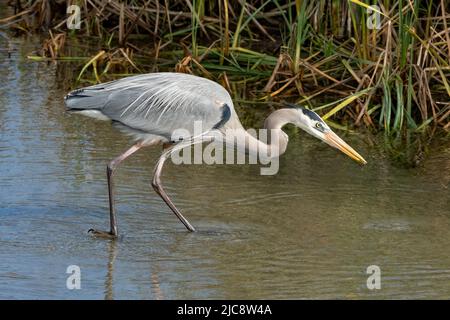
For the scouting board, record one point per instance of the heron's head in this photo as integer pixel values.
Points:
(313, 124)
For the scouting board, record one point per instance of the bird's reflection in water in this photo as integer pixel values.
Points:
(157, 292)
(109, 281)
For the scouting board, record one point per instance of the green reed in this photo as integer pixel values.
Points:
(323, 53)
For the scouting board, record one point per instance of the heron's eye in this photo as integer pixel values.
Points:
(318, 125)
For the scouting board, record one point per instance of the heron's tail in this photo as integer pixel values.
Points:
(86, 98)
(87, 101)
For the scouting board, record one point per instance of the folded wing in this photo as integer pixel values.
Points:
(157, 103)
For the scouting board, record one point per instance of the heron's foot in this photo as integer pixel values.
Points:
(190, 228)
(102, 234)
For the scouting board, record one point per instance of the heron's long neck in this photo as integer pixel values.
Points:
(276, 142)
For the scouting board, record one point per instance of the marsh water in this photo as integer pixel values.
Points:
(311, 231)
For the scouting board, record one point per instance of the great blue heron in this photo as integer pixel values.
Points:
(152, 106)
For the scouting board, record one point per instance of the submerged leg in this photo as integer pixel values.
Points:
(156, 183)
(110, 169)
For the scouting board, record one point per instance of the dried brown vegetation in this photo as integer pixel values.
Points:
(394, 77)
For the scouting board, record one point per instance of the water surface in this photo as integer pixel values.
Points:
(308, 232)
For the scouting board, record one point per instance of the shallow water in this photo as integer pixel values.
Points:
(311, 231)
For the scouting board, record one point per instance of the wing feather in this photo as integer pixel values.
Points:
(157, 103)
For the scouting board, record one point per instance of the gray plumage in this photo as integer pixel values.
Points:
(155, 104)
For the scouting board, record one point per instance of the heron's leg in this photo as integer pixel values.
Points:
(110, 169)
(156, 184)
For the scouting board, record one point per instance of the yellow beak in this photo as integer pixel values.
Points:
(333, 140)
